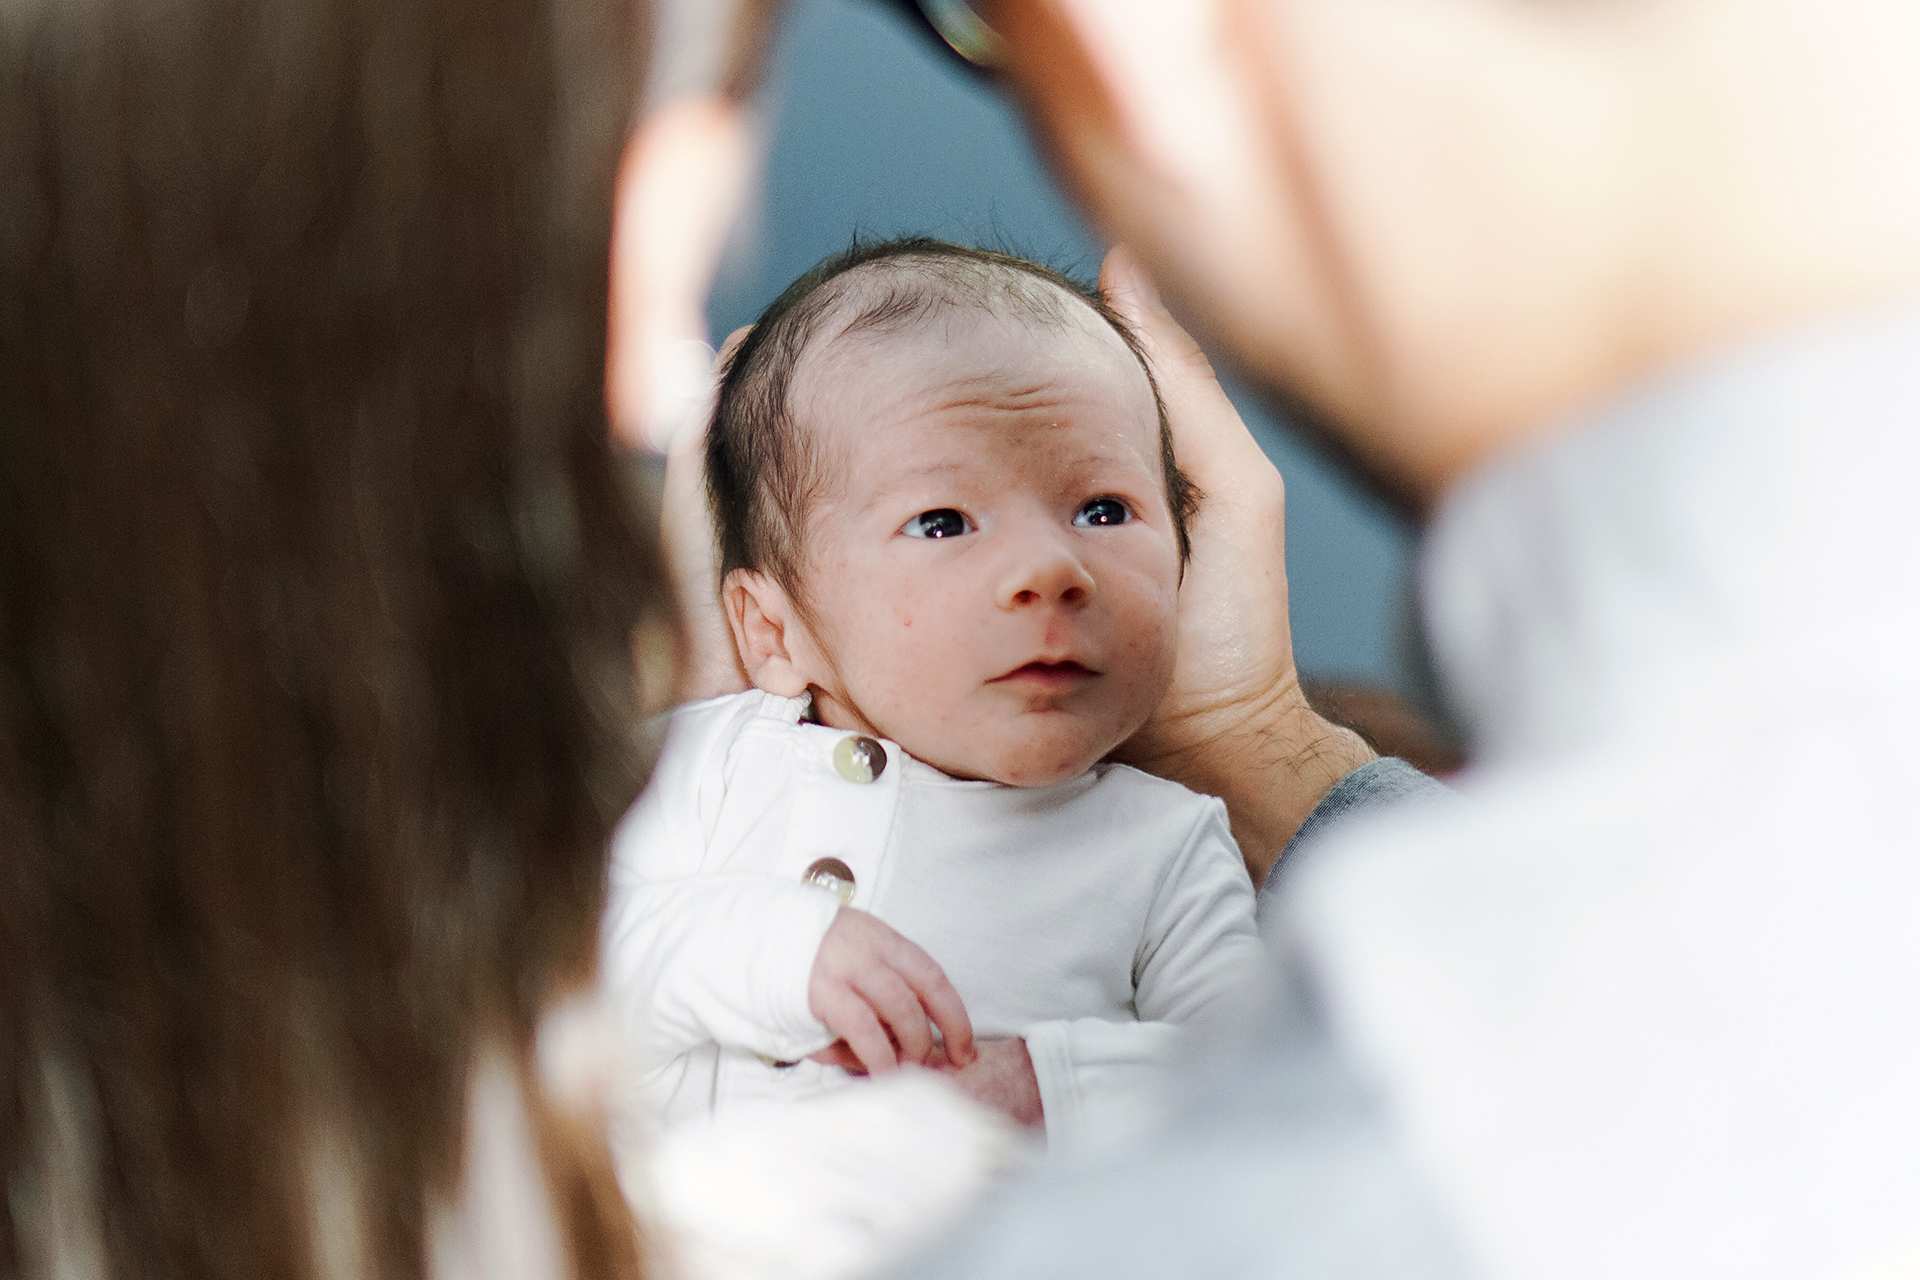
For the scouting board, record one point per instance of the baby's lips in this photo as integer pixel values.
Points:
(1050, 667)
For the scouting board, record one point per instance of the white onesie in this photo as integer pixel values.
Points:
(1093, 917)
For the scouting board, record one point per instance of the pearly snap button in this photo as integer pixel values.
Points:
(833, 875)
(859, 759)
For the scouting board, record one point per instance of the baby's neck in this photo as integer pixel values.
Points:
(841, 713)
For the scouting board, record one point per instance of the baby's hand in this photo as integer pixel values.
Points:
(883, 996)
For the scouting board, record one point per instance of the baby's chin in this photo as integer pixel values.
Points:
(1042, 774)
(1036, 760)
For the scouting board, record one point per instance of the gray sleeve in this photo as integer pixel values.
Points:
(1385, 781)
(1285, 1163)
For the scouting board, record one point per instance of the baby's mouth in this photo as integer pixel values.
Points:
(1050, 674)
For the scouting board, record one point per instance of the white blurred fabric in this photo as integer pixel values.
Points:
(1645, 1000)
(816, 1190)
(834, 1186)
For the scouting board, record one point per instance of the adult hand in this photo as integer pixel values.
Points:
(882, 996)
(711, 666)
(1235, 723)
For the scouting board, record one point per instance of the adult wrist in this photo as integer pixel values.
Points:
(1272, 764)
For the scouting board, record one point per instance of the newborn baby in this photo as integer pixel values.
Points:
(952, 535)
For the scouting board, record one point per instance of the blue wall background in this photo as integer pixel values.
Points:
(872, 131)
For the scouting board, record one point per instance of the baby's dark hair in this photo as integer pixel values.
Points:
(763, 475)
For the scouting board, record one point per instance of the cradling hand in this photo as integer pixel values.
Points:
(710, 665)
(1234, 723)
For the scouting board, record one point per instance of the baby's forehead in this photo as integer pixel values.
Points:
(896, 329)
(896, 295)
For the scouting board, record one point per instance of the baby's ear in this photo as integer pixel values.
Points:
(766, 631)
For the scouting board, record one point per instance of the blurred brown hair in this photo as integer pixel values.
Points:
(317, 589)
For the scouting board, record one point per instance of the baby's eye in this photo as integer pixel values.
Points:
(1102, 511)
(942, 522)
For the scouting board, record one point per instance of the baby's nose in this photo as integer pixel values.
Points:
(1046, 575)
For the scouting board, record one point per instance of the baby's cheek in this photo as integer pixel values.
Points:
(1148, 615)
(911, 616)
(914, 641)
(1149, 649)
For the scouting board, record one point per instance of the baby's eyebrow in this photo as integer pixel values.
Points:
(923, 471)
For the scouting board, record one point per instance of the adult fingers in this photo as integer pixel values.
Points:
(1127, 284)
(710, 663)
(937, 996)
(732, 344)
(1214, 445)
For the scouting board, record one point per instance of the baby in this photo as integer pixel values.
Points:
(952, 534)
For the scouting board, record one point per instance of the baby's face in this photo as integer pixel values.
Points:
(993, 569)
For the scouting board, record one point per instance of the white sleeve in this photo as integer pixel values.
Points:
(691, 958)
(1196, 966)
(1201, 951)
(717, 960)
(1100, 1082)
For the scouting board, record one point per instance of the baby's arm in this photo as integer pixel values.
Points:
(1197, 959)
(716, 960)
(693, 954)
(751, 962)
(1201, 951)
(744, 962)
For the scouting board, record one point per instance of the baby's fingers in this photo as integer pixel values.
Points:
(847, 1016)
(929, 982)
(889, 996)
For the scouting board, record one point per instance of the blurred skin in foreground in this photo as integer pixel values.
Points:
(1440, 262)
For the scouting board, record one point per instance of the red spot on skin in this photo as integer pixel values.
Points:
(905, 621)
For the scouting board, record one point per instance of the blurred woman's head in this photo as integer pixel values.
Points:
(318, 591)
